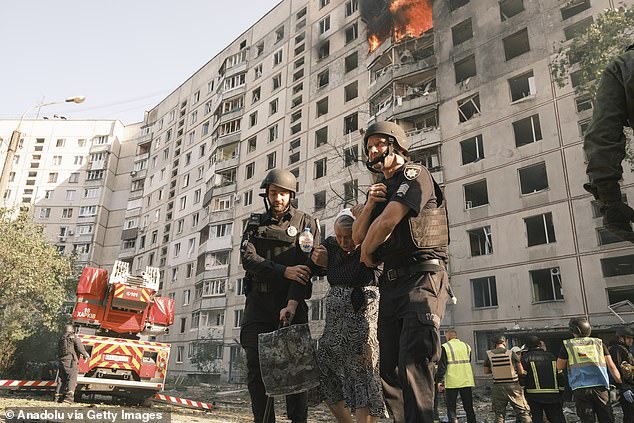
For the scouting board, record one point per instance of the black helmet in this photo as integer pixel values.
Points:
(580, 326)
(281, 178)
(624, 331)
(389, 129)
(532, 341)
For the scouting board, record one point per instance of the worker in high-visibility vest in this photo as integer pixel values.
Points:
(506, 368)
(588, 362)
(455, 376)
(541, 383)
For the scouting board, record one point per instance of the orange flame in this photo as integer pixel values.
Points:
(410, 18)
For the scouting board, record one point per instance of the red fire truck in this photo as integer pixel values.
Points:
(115, 317)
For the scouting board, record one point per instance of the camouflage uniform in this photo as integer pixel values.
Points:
(605, 141)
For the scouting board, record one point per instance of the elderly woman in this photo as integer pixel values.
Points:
(348, 349)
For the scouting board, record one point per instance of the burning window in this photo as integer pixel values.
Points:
(472, 149)
(510, 8)
(465, 69)
(527, 130)
(522, 86)
(573, 8)
(320, 200)
(351, 91)
(617, 266)
(455, 4)
(476, 194)
(480, 241)
(546, 285)
(322, 107)
(516, 44)
(351, 61)
(462, 32)
(484, 292)
(540, 229)
(469, 108)
(533, 178)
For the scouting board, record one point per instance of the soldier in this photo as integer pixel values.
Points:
(541, 383)
(69, 349)
(404, 225)
(277, 282)
(588, 362)
(624, 362)
(605, 142)
(506, 368)
(455, 376)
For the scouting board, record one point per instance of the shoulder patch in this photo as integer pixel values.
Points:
(412, 170)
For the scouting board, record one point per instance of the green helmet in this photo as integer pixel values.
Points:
(281, 178)
(624, 331)
(580, 326)
(389, 129)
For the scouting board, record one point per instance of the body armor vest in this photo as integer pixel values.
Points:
(502, 367)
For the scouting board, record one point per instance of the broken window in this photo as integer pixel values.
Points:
(259, 49)
(249, 170)
(350, 155)
(350, 123)
(296, 101)
(320, 200)
(321, 136)
(322, 107)
(350, 193)
(476, 194)
(322, 78)
(429, 157)
(546, 285)
(522, 86)
(295, 144)
(540, 229)
(273, 133)
(279, 34)
(455, 4)
(606, 237)
(270, 160)
(484, 292)
(533, 178)
(352, 32)
(351, 61)
(527, 130)
(516, 44)
(351, 7)
(469, 108)
(480, 241)
(320, 168)
(578, 28)
(251, 144)
(472, 149)
(324, 50)
(484, 341)
(253, 119)
(620, 293)
(277, 81)
(583, 103)
(296, 116)
(462, 32)
(510, 8)
(427, 120)
(617, 266)
(351, 91)
(273, 106)
(465, 68)
(573, 8)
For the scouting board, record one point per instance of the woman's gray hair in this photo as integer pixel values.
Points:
(345, 221)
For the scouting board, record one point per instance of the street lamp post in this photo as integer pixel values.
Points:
(15, 138)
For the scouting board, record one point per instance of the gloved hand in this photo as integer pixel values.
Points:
(628, 395)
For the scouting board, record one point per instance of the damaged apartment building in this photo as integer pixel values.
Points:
(475, 96)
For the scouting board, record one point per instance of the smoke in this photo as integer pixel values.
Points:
(397, 18)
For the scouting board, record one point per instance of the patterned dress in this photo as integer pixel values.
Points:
(348, 349)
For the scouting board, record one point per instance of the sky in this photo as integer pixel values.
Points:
(124, 56)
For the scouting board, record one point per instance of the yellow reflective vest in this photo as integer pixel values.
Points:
(586, 363)
(459, 373)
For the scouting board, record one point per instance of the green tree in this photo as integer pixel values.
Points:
(588, 53)
(35, 280)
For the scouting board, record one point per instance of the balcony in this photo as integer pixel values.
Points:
(221, 243)
(225, 188)
(229, 138)
(421, 138)
(415, 102)
(213, 302)
(414, 66)
(227, 163)
(220, 215)
(97, 165)
(383, 78)
(213, 272)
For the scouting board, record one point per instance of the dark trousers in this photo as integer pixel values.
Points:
(466, 396)
(67, 378)
(410, 311)
(553, 411)
(591, 402)
(628, 410)
(260, 317)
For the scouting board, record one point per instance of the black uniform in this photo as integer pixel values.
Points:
(541, 386)
(414, 291)
(69, 350)
(268, 247)
(620, 353)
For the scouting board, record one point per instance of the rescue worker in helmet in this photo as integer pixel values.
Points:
(277, 281)
(624, 362)
(404, 226)
(588, 362)
(69, 349)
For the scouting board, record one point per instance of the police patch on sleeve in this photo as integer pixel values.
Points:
(411, 171)
(291, 231)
